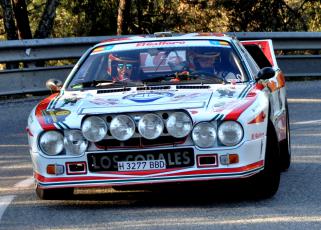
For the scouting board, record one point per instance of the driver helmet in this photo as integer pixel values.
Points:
(122, 66)
(203, 59)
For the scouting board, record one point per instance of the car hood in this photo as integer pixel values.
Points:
(68, 107)
(103, 101)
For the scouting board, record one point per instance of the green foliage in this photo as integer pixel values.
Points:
(89, 17)
(99, 17)
(263, 15)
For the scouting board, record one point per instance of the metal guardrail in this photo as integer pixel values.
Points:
(32, 79)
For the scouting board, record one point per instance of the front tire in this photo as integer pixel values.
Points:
(54, 194)
(266, 183)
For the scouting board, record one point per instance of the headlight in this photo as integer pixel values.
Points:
(122, 127)
(75, 143)
(51, 143)
(179, 124)
(230, 133)
(150, 126)
(204, 135)
(94, 128)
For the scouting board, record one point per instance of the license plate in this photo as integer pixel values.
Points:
(141, 165)
(173, 158)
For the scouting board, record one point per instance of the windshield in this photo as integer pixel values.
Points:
(160, 62)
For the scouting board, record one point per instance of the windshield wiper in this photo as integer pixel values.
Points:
(195, 78)
(89, 83)
(102, 83)
(206, 77)
(159, 78)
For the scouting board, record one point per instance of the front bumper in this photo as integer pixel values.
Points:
(251, 161)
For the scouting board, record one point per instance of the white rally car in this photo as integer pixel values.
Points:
(150, 110)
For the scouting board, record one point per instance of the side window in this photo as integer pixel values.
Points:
(252, 64)
(254, 68)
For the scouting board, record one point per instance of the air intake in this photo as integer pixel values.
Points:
(192, 87)
(112, 90)
(153, 88)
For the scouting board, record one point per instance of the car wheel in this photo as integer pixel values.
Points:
(54, 194)
(285, 145)
(266, 183)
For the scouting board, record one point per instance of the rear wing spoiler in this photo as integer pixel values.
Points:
(262, 52)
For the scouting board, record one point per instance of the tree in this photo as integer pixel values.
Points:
(22, 20)
(8, 18)
(16, 19)
(264, 15)
(46, 23)
(123, 16)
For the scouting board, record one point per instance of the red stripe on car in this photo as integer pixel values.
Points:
(236, 113)
(41, 107)
(193, 172)
(224, 170)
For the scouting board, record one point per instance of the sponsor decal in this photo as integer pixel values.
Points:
(102, 49)
(281, 126)
(226, 93)
(104, 101)
(221, 106)
(255, 136)
(185, 96)
(58, 115)
(147, 97)
(162, 43)
(70, 101)
(193, 112)
(219, 43)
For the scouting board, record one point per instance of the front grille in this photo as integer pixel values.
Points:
(139, 142)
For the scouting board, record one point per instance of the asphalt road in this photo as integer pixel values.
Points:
(297, 205)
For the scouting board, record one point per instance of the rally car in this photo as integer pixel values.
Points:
(149, 110)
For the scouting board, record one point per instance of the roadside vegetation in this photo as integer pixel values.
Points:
(27, 19)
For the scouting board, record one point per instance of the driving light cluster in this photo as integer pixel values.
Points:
(54, 142)
(230, 133)
(149, 126)
(206, 134)
(123, 127)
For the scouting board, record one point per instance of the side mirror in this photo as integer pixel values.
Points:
(265, 73)
(54, 85)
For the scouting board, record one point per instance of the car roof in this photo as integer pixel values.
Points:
(152, 38)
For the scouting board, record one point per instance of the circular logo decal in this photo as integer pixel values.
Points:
(147, 97)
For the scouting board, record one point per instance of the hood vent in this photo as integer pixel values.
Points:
(153, 87)
(112, 90)
(193, 87)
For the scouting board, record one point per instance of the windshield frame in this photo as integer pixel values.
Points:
(244, 68)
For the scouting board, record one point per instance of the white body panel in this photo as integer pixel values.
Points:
(248, 103)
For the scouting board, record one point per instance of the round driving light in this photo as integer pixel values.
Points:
(51, 143)
(150, 126)
(204, 135)
(179, 124)
(74, 142)
(94, 128)
(230, 133)
(122, 127)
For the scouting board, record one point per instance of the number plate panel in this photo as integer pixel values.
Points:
(108, 161)
(141, 165)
